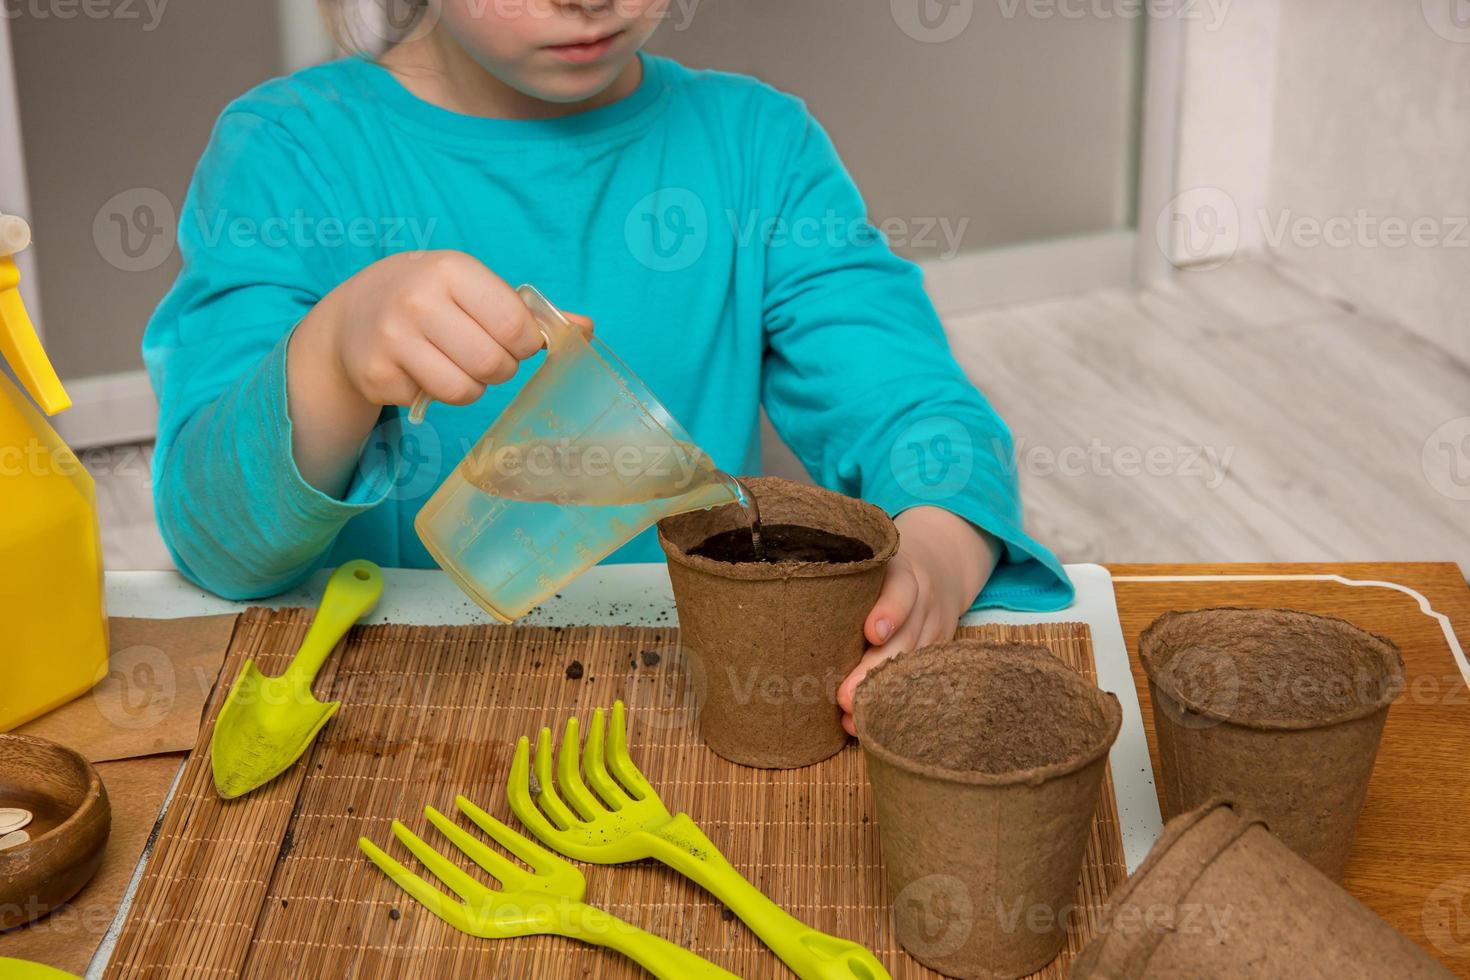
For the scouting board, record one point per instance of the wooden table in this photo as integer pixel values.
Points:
(1411, 859)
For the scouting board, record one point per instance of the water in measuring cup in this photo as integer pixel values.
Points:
(524, 518)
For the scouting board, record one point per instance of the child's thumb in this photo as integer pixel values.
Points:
(582, 323)
(895, 603)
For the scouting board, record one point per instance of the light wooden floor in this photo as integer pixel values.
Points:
(1316, 419)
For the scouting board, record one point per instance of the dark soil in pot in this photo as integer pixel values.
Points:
(784, 542)
(771, 640)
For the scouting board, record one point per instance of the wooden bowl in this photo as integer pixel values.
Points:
(68, 831)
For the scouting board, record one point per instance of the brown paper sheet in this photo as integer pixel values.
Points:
(67, 938)
(160, 673)
(134, 726)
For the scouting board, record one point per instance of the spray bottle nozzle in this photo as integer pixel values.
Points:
(19, 344)
(15, 235)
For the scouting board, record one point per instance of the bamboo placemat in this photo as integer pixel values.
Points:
(274, 885)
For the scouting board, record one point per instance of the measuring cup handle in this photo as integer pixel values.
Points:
(420, 406)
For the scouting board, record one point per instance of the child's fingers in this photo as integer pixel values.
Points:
(890, 627)
(494, 305)
(939, 629)
(918, 631)
(432, 372)
(499, 310)
(895, 602)
(846, 689)
(582, 323)
(471, 348)
(908, 637)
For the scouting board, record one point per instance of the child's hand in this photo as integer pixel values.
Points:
(942, 563)
(436, 322)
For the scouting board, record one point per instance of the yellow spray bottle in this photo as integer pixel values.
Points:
(53, 628)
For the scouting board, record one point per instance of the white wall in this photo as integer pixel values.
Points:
(305, 39)
(1372, 129)
(1227, 102)
(1325, 134)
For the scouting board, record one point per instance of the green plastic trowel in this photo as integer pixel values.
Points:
(266, 723)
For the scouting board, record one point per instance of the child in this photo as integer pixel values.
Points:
(352, 236)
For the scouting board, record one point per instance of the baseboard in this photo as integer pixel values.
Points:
(109, 410)
(1024, 273)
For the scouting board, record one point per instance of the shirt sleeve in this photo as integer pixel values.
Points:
(859, 380)
(257, 236)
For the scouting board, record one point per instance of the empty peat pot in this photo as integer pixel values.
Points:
(771, 641)
(70, 823)
(1275, 710)
(986, 762)
(1221, 898)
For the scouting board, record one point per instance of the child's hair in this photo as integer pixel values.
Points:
(370, 27)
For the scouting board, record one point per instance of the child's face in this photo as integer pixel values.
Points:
(554, 50)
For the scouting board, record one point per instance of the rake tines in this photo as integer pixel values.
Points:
(527, 903)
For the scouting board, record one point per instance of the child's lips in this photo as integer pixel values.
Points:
(587, 51)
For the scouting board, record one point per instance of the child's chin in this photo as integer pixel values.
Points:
(575, 83)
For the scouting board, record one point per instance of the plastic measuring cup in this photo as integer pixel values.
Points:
(582, 459)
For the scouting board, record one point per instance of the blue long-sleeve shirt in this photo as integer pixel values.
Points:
(705, 222)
